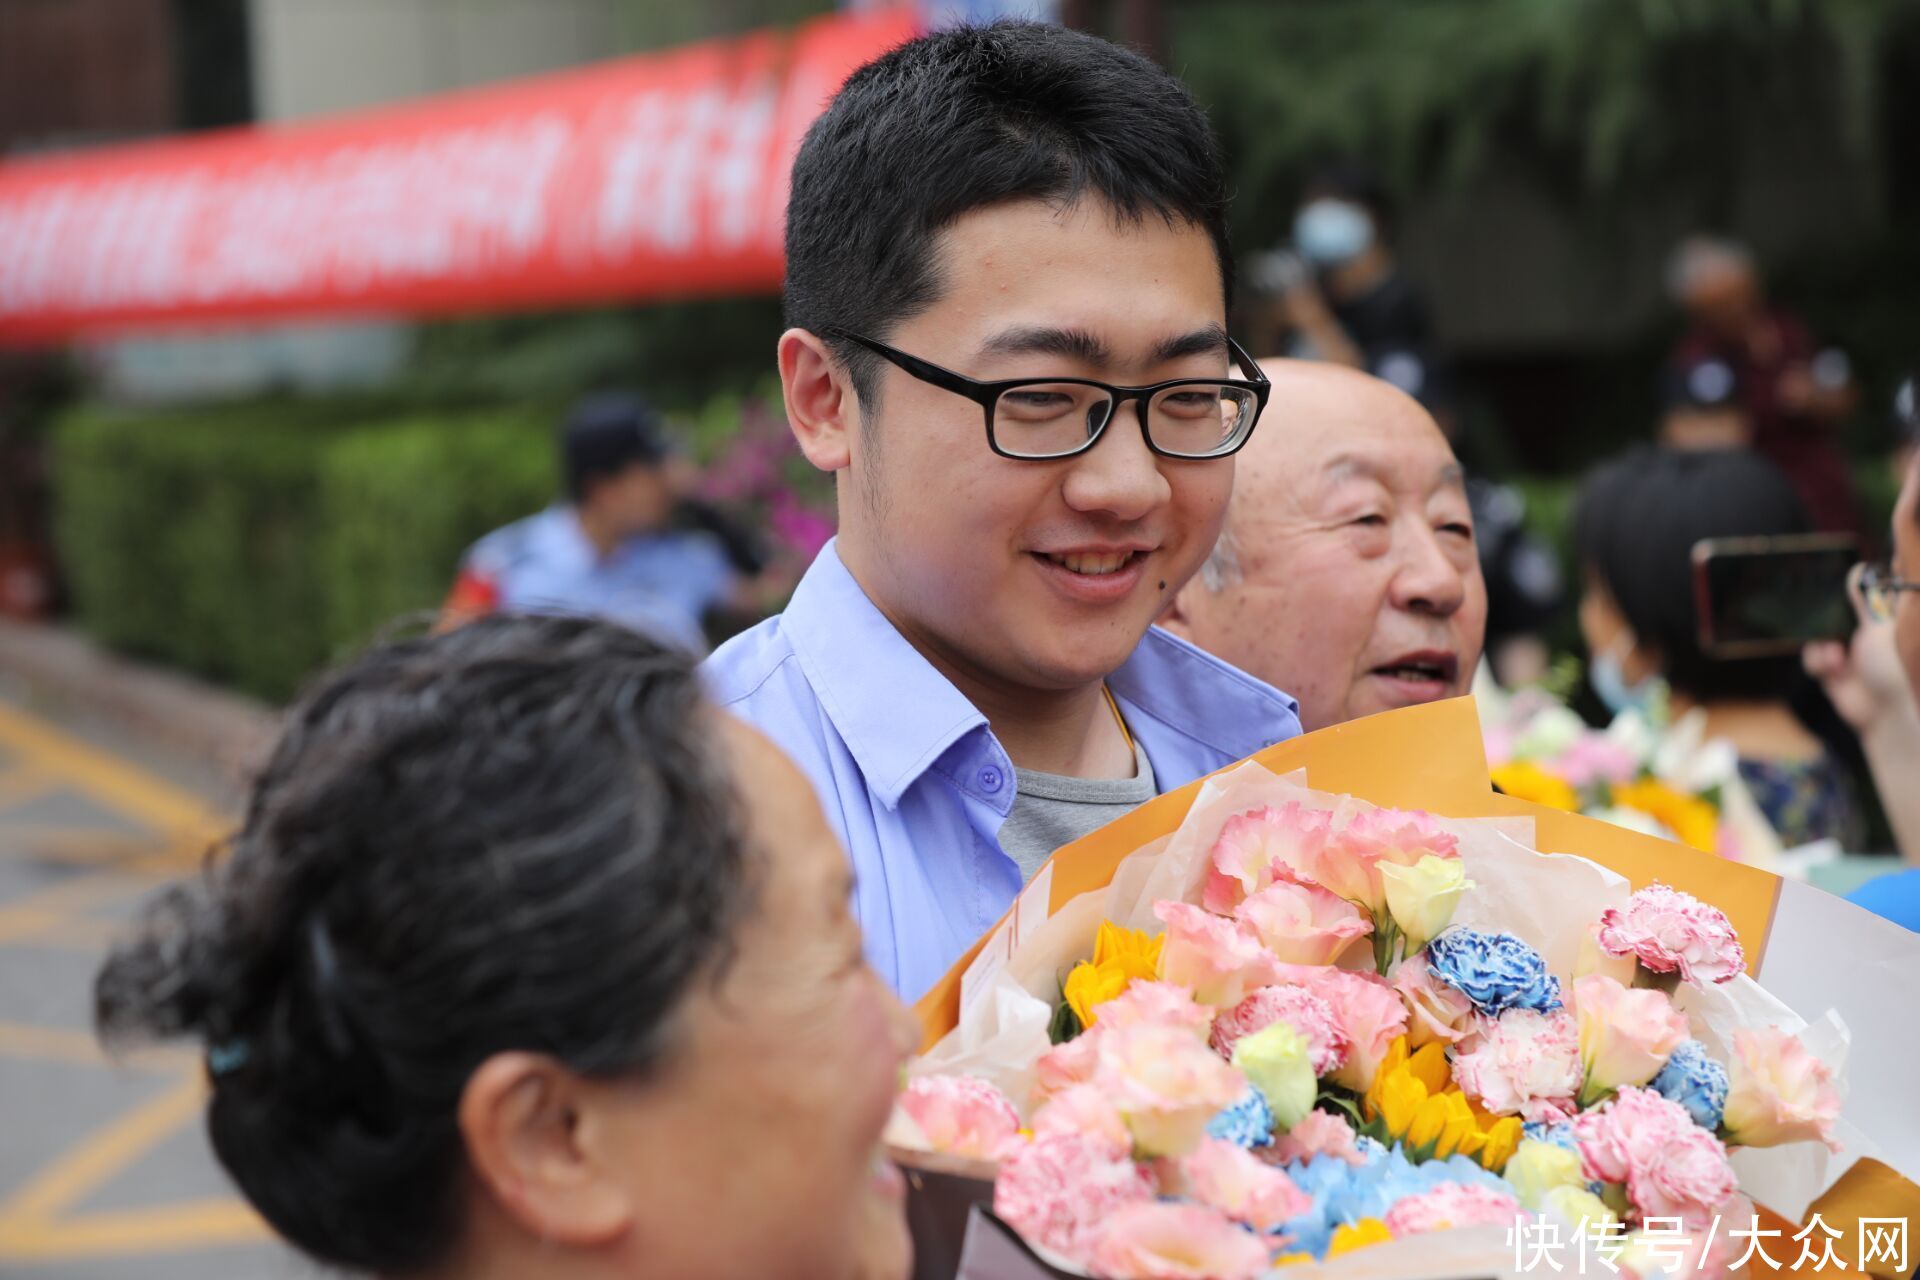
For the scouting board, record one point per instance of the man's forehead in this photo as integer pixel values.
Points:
(1392, 468)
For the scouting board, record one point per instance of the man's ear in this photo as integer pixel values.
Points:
(527, 1123)
(822, 408)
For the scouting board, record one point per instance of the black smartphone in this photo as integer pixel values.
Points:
(1768, 597)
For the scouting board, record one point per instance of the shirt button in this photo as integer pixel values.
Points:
(990, 778)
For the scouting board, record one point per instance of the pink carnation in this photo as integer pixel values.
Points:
(1176, 1242)
(1158, 1003)
(1307, 1013)
(1665, 929)
(1217, 959)
(1225, 1176)
(1369, 1012)
(1319, 1133)
(1060, 1190)
(1302, 923)
(961, 1115)
(1622, 1135)
(1436, 1010)
(1525, 1062)
(1685, 1177)
(1253, 844)
(1450, 1205)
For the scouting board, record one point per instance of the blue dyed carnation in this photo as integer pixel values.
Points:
(1247, 1123)
(1344, 1193)
(1696, 1082)
(1496, 971)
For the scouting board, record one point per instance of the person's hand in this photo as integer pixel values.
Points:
(1863, 677)
(1304, 307)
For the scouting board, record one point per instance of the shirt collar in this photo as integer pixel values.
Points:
(1205, 700)
(898, 714)
(894, 710)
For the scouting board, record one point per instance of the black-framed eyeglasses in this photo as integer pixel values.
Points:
(1879, 589)
(1040, 419)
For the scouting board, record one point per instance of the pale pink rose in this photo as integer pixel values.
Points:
(1626, 1035)
(1216, 958)
(1450, 1205)
(1665, 929)
(1350, 866)
(1305, 1012)
(1778, 1092)
(1084, 1109)
(1686, 1177)
(1320, 1133)
(1301, 923)
(1368, 1009)
(1525, 1059)
(1622, 1134)
(1165, 1241)
(1225, 1176)
(1166, 1084)
(1068, 1064)
(1253, 844)
(1060, 1191)
(1436, 1010)
(1158, 1003)
(961, 1115)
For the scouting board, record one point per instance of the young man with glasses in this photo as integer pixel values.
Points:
(1007, 274)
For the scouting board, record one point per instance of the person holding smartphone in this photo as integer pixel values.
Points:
(1007, 278)
(1638, 523)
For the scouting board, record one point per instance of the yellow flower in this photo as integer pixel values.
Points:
(1090, 985)
(1693, 820)
(1525, 780)
(1136, 952)
(1349, 1236)
(1415, 1103)
(1120, 955)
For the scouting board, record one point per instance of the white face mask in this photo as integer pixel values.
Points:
(1329, 232)
(1608, 677)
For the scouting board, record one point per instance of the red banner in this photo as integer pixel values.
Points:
(656, 176)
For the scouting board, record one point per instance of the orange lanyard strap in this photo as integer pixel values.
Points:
(1117, 717)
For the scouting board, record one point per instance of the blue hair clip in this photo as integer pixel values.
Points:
(225, 1059)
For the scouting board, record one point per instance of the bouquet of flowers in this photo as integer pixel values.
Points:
(1644, 772)
(1302, 1026)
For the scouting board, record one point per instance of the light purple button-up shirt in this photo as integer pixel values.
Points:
(912, 779)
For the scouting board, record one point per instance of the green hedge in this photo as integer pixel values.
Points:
(252, 545)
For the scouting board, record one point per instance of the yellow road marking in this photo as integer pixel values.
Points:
(105, 1153)
(24, 783)
(53, 908)
(54, 1044)
(135, 1232)
(127, 789)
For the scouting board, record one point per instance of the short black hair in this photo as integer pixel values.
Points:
(604, 434)
(518, 835)
(1356, 182)
(971, 117)
(1634, 529)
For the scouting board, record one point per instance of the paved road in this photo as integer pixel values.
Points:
(104, 1168)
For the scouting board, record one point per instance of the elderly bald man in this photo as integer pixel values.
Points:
(1347, 572)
